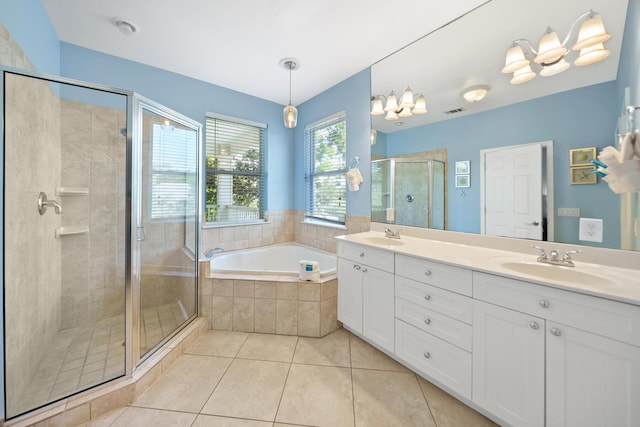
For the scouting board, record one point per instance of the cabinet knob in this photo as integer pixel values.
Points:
(427, 321)
(555, 331)
(427, 297)
(361, 254)
(534, 325)
(427, 273)
(364, 270)
(544, 303)
(357, 267)
(427, 355)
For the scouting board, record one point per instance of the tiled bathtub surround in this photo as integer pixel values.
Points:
(281, 227)
(283, 305)
(274, 307)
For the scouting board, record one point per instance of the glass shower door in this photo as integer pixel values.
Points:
(167, 223)
(65, 250)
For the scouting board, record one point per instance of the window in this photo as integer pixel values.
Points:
(174, 161)
(235, 188)
(325, 165)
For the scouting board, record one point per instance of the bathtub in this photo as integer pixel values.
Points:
(274, 260)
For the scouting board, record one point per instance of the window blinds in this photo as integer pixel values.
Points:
(174, 157)
(235, 189)
(325, 166)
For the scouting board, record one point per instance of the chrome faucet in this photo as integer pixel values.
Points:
(554, 257)
(391, 234)
(212, 252)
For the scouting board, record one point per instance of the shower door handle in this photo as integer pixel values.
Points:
(140, 234)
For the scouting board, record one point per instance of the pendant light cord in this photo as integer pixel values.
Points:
(290, 66)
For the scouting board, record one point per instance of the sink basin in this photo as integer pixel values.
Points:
(383, 241)
(558, 272)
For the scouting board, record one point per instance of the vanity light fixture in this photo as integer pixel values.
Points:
(551, 56)
(290, 113)
(475, 93)
(406, 108)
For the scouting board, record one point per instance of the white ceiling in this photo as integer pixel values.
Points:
(472, 51)
(238, 44)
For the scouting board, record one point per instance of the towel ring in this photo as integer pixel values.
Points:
(354, 162)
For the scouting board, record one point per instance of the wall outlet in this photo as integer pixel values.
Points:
(590, 230)
(569, 212)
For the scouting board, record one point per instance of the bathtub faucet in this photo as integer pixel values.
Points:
(212, 252)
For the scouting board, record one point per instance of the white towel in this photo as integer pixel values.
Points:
(623, 167)
(354, 177)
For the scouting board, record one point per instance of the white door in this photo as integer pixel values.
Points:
(378, 307)
(508, 364)
(350, 294)
(591, 380)
(512, 202)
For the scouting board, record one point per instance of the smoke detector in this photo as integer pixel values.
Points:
(125, 27)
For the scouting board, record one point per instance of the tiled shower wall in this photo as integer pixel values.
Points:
(281, 227)
(93, 157)
(32, 264)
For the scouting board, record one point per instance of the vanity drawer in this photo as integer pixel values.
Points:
(445, 276)
(377, 258)
(450, 330)
(434, 358)
(611, 319)
(437, 299)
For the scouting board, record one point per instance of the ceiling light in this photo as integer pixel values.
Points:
(523, 75)
(407, 99)
(475, 93)
(376, 109)
(591, 55)
(421, 105)
(555, 68)
(124, 26)
(406, 108)
(290, 113)
(551, 56)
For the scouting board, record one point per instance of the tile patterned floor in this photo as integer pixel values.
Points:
(236, 379)
(85, 356)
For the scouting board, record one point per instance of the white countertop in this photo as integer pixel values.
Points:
(615, 283)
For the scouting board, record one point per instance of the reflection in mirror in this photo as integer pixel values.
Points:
(578, 108)
(408, 192)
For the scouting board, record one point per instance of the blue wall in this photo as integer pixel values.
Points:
(30, 27)
(351, 96)
(571, 119)
(193, 98)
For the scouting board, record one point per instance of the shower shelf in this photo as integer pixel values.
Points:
(69, 230)
(72, 191)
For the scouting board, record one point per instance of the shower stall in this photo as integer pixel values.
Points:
(100, 217)
(408, 192)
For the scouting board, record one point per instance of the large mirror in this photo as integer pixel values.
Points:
(565, 114)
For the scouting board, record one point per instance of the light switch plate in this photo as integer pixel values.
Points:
(569, 212)
(590, 230)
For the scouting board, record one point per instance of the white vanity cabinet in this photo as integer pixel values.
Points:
(433, 320)
(508, 364)
(366, 293)
(580, 352)
(528, 354)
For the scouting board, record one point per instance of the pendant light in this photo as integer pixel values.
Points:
(290, 113)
